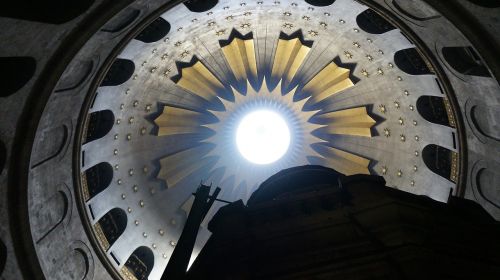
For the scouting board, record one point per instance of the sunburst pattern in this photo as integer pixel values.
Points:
(278, 92)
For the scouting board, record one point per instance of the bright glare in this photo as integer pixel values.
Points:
(263, 137)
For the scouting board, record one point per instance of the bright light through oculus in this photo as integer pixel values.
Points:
(263, 137)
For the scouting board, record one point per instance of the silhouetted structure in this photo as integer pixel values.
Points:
(313, 223)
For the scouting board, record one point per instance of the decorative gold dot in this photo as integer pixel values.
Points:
(135, 77)
(245, 25)
(342, 21)
(116, 166)
(288, 25)
(411, 107)
(327, 14)
(369, 40)
(135, 188)
(228, 18)
(416, 153)
(313, 33)
(115, 137)
(396, 104)
(118, 121)
(131, 172)
(401, 121)
(143, 130)
(369, 57)
(380, 71)
(400, 78)
(415, 123)
(148, 107)
(382, 108)
(412, 183)
(136, 102)
(166, 39)
(417, 138)
(119, 181)
(144, 234)
(123, 196)
(323, 24)
(141, 203)
(145, 169)
(154, 246)
(161, 232)
(415, 168)
(211, 23)
(384, 170)
(387, 132)
(356, 30)
(356, 44)
(348, 54)
(287, 14)
(144, 63)
(131, 120)
(164, 255)
(172, 243)
(406, 92)
(391, 65)
(306, 18)
(400, 173)
(173, 222)
(136, 222)
(220, 32)
(122, 106)
(380, 51)
(129, 210)
(402, 137)
(164, 56)
(127, 91)
(154, 51)
(129, 137)
(365, 73)
(115, 152)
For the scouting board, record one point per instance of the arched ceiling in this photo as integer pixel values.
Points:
(333, 71)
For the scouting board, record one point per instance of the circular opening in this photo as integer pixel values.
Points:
(262, 137)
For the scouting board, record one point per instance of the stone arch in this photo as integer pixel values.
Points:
(438, 159)
(97, 178)
(99, 124)
(155, 31)
(320, 3)
(199, 6)
(373, 23)
(141, 262)
(433, 109)
(120, 71)
(112, 225)
(465, 61)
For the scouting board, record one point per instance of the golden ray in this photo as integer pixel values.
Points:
(355, 121)
(173, 121)
(240, 55)
(345, 162)
(200, 81)
(290, 54)
(178, 166)
(329, 81)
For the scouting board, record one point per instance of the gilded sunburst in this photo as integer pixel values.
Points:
(254, 87)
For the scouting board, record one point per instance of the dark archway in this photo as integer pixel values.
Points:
(49, 11)
(411, 62)
(199, 6)
(433, 109)
(98, 178)
(438, 159)
(320, 3)
(16, 72)
(3, 256)
(155, 31)
(99, 124)
(465, 60)
(113, 224)
(120, 71)
(141, 262)
(373, 23)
